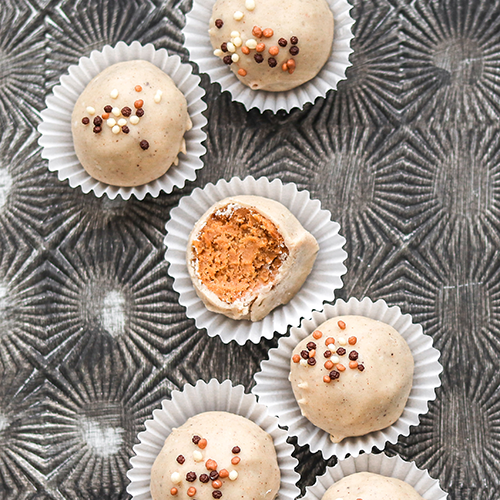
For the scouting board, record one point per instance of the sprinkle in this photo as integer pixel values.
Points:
(214, 475)
(304, 354)
(294, 50)
(223, 473)
(197, 456)
(268, 32)
(353, 355)
(116, 111)
(196, 439)
(223, 47)
(97, 121)
(282, 42)
(302, 401)
(108, 108)
(191, 476)
(111, 122)
(260, 47)
(317, 334)
(250, 5)
(203, 442)
(138, 88)
(134, 120)
(219, 23)
(272, 62)
(97, 130)
(90, 110)
(228, 60)
(327, 379)
(327, 354)
(138, 104)
(235, 58)
(335, 359)
(245, 50)
(211, 464)
(310, 346)
(329, 340)
(217, 494)
(234, 34)
(284, 67)
(116, 129)
(341, 325)
(353, 364)
(312, 353)
(217, 484)
(191, 491)
(126, 111)
(230, 47)
(274, 51)
(157, 97)
(180, 459)
(235, 460)
(174, 491)
(238, 15)
(204, 478)
(145, 145)
(342, 341)
(303, 385)
(329, 365)
(114, 94)
(294, 40)
(85, 120)
(334, 375)
(340, 367)
(258, 58)
(295, 358)
(218, 52)
(176, 478)
(236, 450)
(257, 32)
(122, 122)
(125, 129)
(105, 116)
(303, 362)
(233, 475)
(361, 368)
(291, 65)
(341, 351)
(238, 42)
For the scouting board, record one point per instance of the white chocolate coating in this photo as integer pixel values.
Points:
(311, 21)
(357, 402)
(302, 248)
(369, 486)
(115, 157)
(258, 474)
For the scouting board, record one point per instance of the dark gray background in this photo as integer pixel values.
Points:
(406, 155)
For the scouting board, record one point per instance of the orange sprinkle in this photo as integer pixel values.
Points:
(284, 67)
(274, 51)
(352, 340)
(138, 88)
(329, 365)
(217, 484)
(353, 364)
(296, 358)
(242, 72)
(260, 47)
(235, 460)
(317, 334)
(245, 50)
(191, 491)
(327, 379)
(211, 464)
(341, 367)
(174, 491)
(268, 32)
(312, 353)
(257, 32)
(291, 63)
(202, 443)
(223, 473)
(105, 116)
(329, 340)
(341, 325)
(138, 104)
(291, 70)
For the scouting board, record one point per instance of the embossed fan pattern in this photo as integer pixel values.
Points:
(405, 155)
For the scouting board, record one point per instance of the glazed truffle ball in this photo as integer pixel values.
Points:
(368, 486)
(272, 45)
(352, 376)
(247, 255)
(216, 452)
(129, 123)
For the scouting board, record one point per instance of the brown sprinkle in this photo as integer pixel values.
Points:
(228, 60)
(282, 42)
(236, 450)
(196, 439)
(223, 47)
(304, 354)
(180, 459)
(361, 368)
(214, 475)
(327, 354)
(341, 351)
(353, 355)
(217, 494)
(341, 325)
(294, 40)
(294, 50)
(352, 340)
(272, 62)
(108, 108)
(97, 121)
(334, 375)
(145, 145)
(140, 112)
(268, 32)
(126, 111)
(317, 334)
(204, 478)
(223, 473)
(138, 88)
(235, 460)
(97, 130)
(191, 476)
(257, 32)
(138, 104)
(217, 484)
(125, 129)
(219, 23)
(311, 361)
(258, 58)
(310, 346)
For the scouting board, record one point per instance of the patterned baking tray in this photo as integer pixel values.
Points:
(406, 156)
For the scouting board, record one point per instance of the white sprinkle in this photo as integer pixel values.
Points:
(335, 359)
(303, 362)
(231, 47)
(116, 111)
(157, 97)
(238, 15)
(90, 110)
(176, 478)
(233, 475)
(251, 43)
(183, 147)
(303, 385)
(234, 34)
(111, 122)
(116, 129)
(218, 53)
(197, 456)
(122, 122)
(114, 94)
(331, 347)
(342, 341)
(235, 58)
(302, 401)
(238, 42)
(250, 4)
(134, 120)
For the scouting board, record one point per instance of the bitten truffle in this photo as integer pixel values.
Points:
(129, 123)
(270, 44)
(247, 255)
(353, 375)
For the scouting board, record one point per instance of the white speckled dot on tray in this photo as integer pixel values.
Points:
(396, 467)
(55, 129)
(202, 397)
(197, 41)
(274, 389)
(319, 286)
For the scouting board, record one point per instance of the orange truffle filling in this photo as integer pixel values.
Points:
(238, 251)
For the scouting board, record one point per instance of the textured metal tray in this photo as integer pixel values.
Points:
(406, 155)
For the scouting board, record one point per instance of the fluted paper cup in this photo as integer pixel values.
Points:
(202, 397)
(274, 389)
(319, 286)
(197, 41)
(427, 487)
(55, 129)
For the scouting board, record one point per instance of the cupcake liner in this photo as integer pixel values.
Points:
(396, 467)
(55, 129)
(274, 389)
(319, 286)
(197, 41)
(200, 398)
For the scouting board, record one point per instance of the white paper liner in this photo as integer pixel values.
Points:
(274, 389)
(319, 286)
(396, 467)
(55, 129)
(202, 397)
(197, 41)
